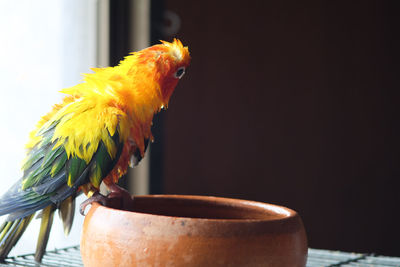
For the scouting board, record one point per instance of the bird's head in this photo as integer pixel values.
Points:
(164, 64)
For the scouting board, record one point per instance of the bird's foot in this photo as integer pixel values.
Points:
(118, 198)
(96, 197)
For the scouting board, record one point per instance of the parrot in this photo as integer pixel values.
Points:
(100, 128)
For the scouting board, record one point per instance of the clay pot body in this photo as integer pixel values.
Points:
(169, 230)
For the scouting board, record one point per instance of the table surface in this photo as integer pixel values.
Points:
(71, 257)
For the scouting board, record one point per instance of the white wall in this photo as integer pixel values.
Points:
(44, 46)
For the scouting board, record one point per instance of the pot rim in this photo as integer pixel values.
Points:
(283, 213)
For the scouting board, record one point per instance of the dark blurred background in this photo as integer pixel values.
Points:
(293, 103)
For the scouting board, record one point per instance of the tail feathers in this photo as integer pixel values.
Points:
(66, 212)
(45, 227)
(21, 216)
(10, 233)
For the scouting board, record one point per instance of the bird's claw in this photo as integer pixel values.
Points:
(96, 197)
(118, 198)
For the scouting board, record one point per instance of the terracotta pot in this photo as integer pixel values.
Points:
(172, 230)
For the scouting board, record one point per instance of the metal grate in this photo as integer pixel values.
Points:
(66, 257)
(71, 257)
(326, 258)
(377, 261)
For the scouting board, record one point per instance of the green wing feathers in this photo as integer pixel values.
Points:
(52, 175)
(43, 162)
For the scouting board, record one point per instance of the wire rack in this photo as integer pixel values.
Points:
(327, 258)
(71, 257)
(66, 257)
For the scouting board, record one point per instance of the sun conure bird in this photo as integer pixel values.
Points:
(100, 128)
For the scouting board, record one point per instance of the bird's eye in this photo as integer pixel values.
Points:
(179, 72)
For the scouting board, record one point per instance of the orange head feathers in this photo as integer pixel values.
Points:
(164, 64)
